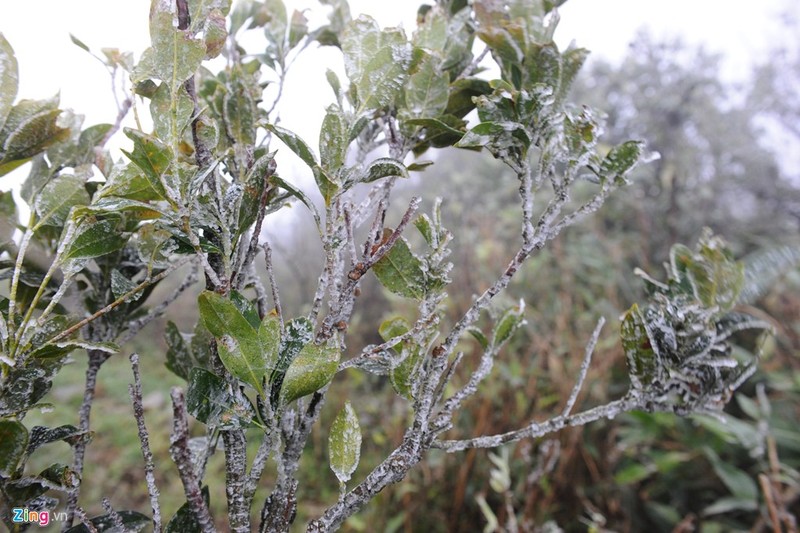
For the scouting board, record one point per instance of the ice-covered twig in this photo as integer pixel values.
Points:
(135, 391)
(180, 453)
(587, 360)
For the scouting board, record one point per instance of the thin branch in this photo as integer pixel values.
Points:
(81, 514)
(119, 525)
(96, 360)
(119, 301)
(137, 325)
(587, 360)
(135, 391)
(252, 248)
(181, 455)
(539, 429)
(273, 283)
(473, 66)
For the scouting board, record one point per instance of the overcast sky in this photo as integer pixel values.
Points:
(49, 62)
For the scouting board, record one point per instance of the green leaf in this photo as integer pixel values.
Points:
(715, 276)
(333, 139)
(479, 336)
(13, 442)
(133, 522)
(180, 360)
(384, 167)
(175, 55)
(295, 144)
(460, 101)
(57, 199)
(571, 61)
(161, 109)
(40, 435)
(326, 186)
(620, 161)
(151, 156)
(209, 401)
(376, 62)
(239, 347)
(738, 482)
(300, 195)
(401, 271)
(728, 505)
(184, 520)
(404, 375)
(393, 327)
(298, 333)
(510, 322)
(120, 285)
(33, 135)
(312, 369)
(8, 216)
(640, 351)
(96, 239)
(426, 93)
(344, 443)
(80, 44)
(128, 181)
(633, 473)
(9, 80)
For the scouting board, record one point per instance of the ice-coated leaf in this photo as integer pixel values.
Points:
(384, 167)
(312, 369)
(714, 275)
(269, 335)
(238, 342)
(26, 385)
(80, 44)
(393, 327)
(327, 187)
(298, 28)
(375, 61)
(640, 352)
(209, 401)
(401, 271)
(571, 61)
(176, 55)
(215, 34)
(344, 443)
(621, 160)
(239, 107)
(360, 41)
(184, 520)
(33, 135)
(164, 116)
(58, 197)
(300, 195)
(427, 89)
(246, 307)
(479, 336)
(120, 285)
(511, 320)
(155, 246)
(295, 144)
(333, 139)
(9, 79)
(128, 181)
(13, 442)
(298, 333)
(404, 375)
(151, 156)
(95, 239)
(8, 216)
(384, 77)
(179, 354)
(40, 435)
(132, 521)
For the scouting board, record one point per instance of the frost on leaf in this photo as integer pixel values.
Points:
(344, 443)
(679, 345)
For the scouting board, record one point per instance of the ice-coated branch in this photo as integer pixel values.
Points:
(273, 283)
(540, 429)
(587, 360)
(181, 455)
(135, 391)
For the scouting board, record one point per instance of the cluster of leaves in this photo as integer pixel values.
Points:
(678, 346)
